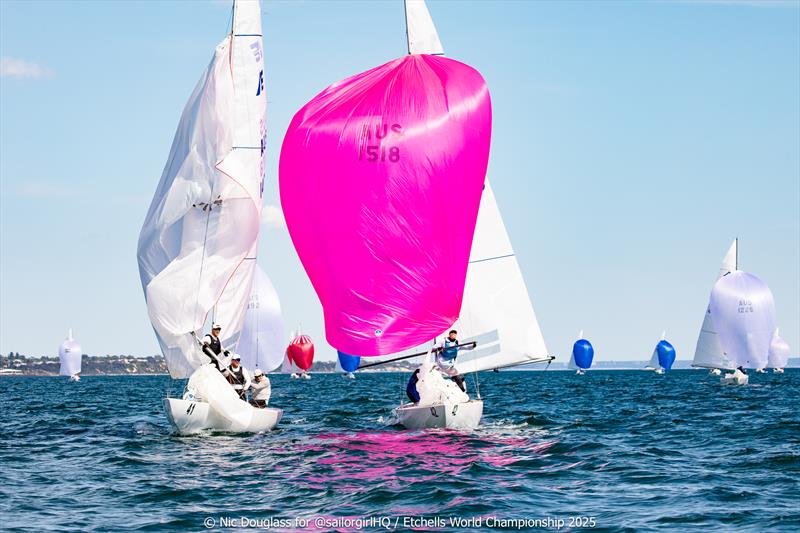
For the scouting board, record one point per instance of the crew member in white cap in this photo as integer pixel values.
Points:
(212, 347)
(238, 376)
(260, 389)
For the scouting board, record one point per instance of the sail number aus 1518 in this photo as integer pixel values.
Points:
(373, 142)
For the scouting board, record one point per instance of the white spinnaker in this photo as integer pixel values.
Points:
(198, 243)
(743, 310)
(69, 354)
(779, 352)
(708, 352)
(496, 310)
(262, 344)
(420, 30)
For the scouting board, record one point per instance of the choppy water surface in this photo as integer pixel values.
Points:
(629, 449)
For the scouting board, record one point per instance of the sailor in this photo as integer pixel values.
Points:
(260, 389)
(238, 376)
(446, 355)
(411, 388)
(742, 370)
(212, 347)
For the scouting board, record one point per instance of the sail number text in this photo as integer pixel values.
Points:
(374, 143)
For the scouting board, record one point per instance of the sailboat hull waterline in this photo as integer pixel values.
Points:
(190, 417)
(464, 415)
(734, 379)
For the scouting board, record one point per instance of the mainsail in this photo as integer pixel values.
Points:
(497, 312)
(381, 177)
(198, 244)
(420, 30)
(708, 353)
(743, 309)
(69, 355)
(261, 344)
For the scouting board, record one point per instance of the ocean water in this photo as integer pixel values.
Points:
(616, 450)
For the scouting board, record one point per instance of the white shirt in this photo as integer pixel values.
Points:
(261, 390)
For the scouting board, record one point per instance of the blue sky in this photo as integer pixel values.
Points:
(632, 141)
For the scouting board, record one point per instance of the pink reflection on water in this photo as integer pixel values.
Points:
(352, 461)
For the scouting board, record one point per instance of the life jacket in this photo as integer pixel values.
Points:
(411, 388)
(449, 349)
(215, 345)
(237, 375)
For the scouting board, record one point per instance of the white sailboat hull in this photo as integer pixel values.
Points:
(777, 370)
(189, 417)
(715, 372)
(734, 379)
(465, 415)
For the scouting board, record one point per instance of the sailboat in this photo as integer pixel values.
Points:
(663, 356)
(69, 355)
(365, 169)
(348, 364)
(743, 309)
(300, 353)
(582, 354)
(198, 245)
(779, 351)
(708, 353)
(261, 342)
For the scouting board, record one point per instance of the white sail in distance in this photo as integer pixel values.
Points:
(420, 31)
(708, 352)
(261, 344)
(69, 355)
(496, 311)
(743, 310)
(779, 352)
(198, 243)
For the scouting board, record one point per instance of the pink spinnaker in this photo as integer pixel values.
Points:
(380, 178)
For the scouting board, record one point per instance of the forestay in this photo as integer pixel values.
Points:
(708, 352)
(198, 244)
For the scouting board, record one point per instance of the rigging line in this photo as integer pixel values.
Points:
(491, 258)
(203, 255)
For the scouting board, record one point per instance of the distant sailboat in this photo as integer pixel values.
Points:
(348, 364)
(198, 245)
(663, 356)
(582, 355)
(743, 309)
(779, 352)
(300, 353)
(69, 355)
(708, 352)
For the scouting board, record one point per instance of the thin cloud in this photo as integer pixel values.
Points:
(272, 217)
(14, 67)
